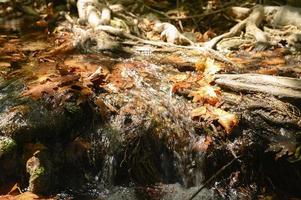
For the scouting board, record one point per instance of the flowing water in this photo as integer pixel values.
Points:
(129, 137)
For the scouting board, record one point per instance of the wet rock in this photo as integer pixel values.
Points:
(7, 145)
(8, 159)
(40, 171)
(163, 192)
(41, 121)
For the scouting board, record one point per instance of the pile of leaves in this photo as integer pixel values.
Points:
(207, 97)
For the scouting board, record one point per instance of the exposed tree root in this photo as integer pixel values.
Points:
(275, 16)
(275, 85)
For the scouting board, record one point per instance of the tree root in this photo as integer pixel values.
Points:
(278, 86)
(275, 16)
(250, 24)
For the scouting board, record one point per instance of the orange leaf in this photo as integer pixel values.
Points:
(226, 119)
(211, 67)
(178, 87)
(179, 77)
(207, 94)
(27, 196)
(200, 65)
(273, 61)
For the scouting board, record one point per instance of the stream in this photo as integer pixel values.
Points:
(67, 132)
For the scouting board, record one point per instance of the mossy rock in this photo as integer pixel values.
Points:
(41, 173)
(7, 145)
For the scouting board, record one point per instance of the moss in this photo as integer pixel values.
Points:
(72, 107)
(39, 182)
(39, 171)
(7, 145)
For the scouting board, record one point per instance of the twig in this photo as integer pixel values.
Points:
(214, 176)
(118, 32)
(152, 9)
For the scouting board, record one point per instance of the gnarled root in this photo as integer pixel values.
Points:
(250, 24)
(171, 34)
(94, 13)
(274, 16)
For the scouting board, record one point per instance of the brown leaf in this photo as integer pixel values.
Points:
(226, 119)
(273, 61)
(179, 77)
(37, 91)
(207, 66)
(199, 112)
(200, 65)
(269, 71)
(4, 65)
(179, 87)
(211, 67)
(26, 196)
(64, 48)
(207, 94)
(7, 197)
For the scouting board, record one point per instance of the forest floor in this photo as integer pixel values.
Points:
(98, 114)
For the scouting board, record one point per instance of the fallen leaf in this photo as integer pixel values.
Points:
(200, 65)
(4, 65)
(37, 91)
(199, 112)
(26, 196)
(269, 71)
(179, 77)
(179, 87)
(206, 94)
(211, 67)
(226, 119)
(273, 61)
(42, 23)
(38, 45)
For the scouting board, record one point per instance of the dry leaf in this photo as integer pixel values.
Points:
(273, 61)
(200, 65)
(7, 197)
(37, 91)
(269, 71)
(4, 65)
(226, 119)
(181, 86)
(207, 94)
(199, 112)
(179, 77)
(211, 67)
(26, 196)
